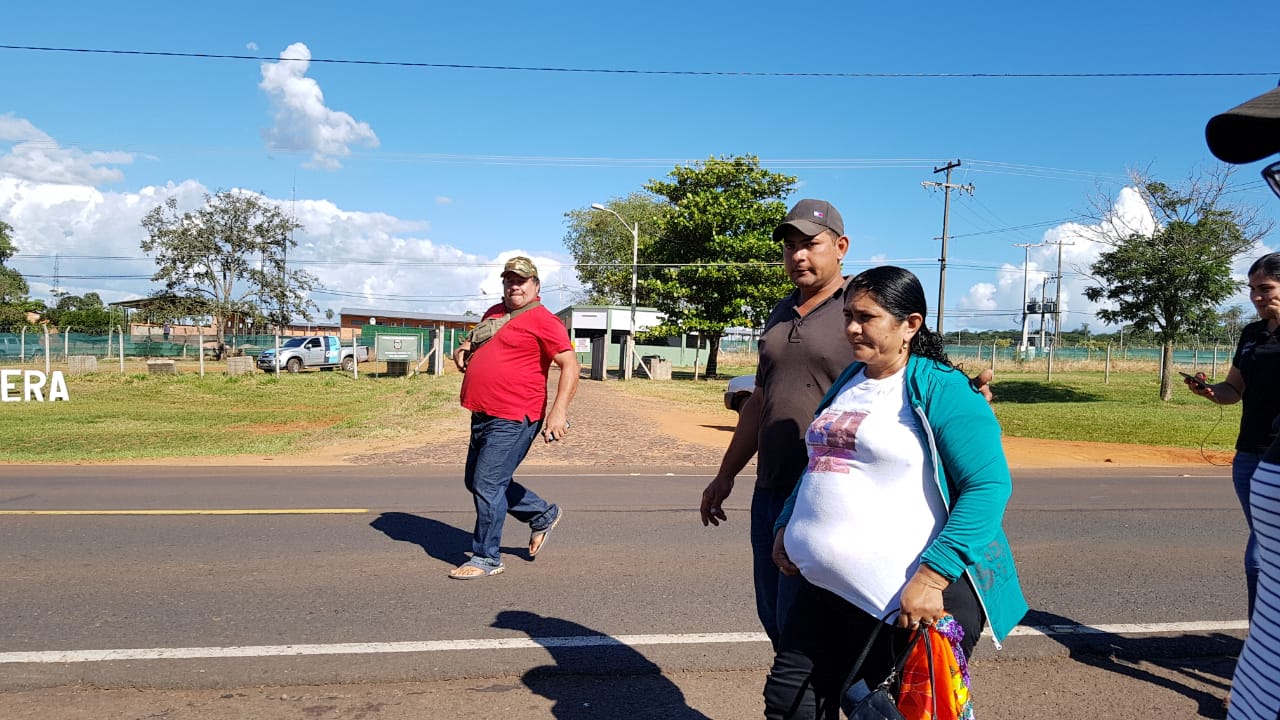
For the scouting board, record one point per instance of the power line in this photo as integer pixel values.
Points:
(341, 262)
(630, 71)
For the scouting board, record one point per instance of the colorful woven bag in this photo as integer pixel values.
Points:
(949, 691)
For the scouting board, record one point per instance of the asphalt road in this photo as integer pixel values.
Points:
(634, 609)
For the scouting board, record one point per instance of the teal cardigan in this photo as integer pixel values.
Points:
(972, 473)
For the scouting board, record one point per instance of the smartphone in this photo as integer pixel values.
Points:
(1200, 384)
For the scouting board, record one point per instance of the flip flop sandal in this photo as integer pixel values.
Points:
(486, 570)
(538, 538)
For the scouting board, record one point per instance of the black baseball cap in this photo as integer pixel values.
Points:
(811, 217)
(1246, 133)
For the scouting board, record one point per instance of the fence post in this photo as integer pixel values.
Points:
(200, 351)
(1214, 367)
(1106, 367)
(121, 329)
(47, 368)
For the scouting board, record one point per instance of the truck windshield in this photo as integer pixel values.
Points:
(295, 342)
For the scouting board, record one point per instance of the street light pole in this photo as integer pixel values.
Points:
(635, 259)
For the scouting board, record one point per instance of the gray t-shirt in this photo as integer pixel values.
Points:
(799, 359)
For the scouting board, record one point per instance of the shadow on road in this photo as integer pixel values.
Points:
(1198, 656)
(439, 540)
(649, 697)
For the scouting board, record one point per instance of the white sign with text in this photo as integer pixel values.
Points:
(32, 386)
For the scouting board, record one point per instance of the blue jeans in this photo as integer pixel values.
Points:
(496, 449)
(1242, 467)
(775, 592)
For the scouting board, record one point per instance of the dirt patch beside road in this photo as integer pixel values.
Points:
(611, 428)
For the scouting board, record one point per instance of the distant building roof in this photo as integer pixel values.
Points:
(314, 324)
(406, 315)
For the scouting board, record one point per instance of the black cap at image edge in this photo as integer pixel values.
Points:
(1248, 132)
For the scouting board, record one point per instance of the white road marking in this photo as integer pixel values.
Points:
(179, 511)
(373, 648)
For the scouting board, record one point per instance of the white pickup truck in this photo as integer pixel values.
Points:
(313, 351)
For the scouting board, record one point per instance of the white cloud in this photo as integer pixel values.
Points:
(981, 296)
(251, 46)
(997, 305)
(443, 200)
(302, 123)
(373, 259)
(34, 155)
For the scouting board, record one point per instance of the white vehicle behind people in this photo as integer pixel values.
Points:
(325, 352)
(739, 391)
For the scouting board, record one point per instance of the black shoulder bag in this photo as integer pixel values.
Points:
(880, 703)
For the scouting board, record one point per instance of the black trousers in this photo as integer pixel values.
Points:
(821, 638)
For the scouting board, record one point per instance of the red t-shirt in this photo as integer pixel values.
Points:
(507, 378)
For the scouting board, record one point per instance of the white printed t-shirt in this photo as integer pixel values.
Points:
(868, 504)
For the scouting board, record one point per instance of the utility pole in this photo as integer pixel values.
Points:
(1026, 314)
(947, 187)
(1057, 307)
(1044, 299)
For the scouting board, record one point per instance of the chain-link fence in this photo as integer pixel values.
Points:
(30, 347)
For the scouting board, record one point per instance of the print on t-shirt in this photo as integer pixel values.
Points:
(832, 439)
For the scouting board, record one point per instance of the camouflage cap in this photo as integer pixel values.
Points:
(521, 266)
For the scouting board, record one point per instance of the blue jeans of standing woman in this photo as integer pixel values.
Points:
(496, 449)
(1242, 467)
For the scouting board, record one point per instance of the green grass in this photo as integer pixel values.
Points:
(1076, 405)
(1079, 406)
(136, 416)
(114, 417)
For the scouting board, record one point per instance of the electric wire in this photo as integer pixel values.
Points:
(625, 71)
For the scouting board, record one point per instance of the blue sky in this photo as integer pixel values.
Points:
(413, 182)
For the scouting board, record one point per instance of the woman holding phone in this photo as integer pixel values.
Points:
(1254, 380)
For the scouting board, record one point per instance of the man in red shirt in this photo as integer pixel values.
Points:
(505, 388)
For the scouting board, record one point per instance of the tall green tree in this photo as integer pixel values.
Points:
(228, 259)
(84, 313)
(14, 303)
(720, 265)
(1171, 280)
(601, 246)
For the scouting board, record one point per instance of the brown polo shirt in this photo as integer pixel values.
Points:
(799, 359)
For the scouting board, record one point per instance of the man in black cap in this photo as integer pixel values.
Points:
(802, 351)
(1246, 134)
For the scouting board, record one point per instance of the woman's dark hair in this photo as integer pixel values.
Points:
(1268, 265)
(898, 291)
